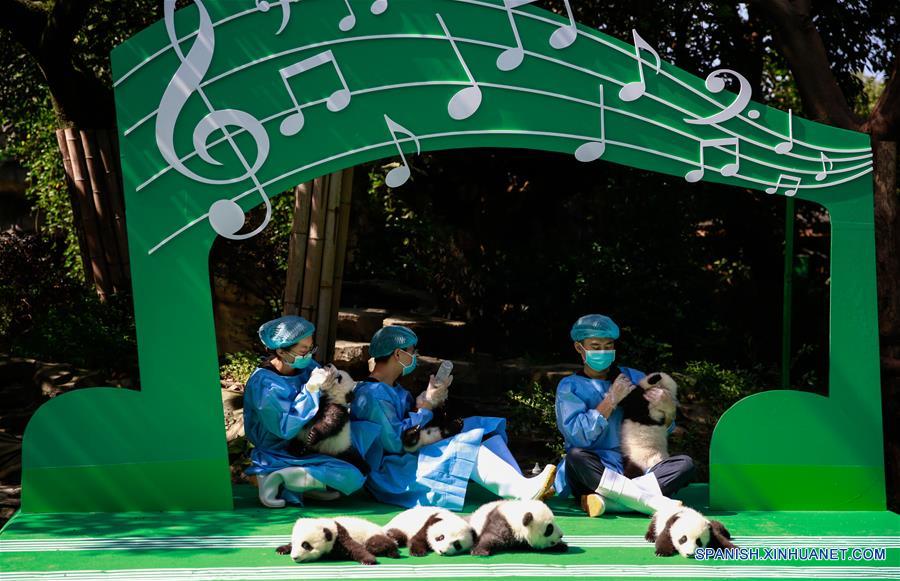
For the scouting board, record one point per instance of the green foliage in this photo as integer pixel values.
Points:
(533, 418)
(717, 386)
(238, 366)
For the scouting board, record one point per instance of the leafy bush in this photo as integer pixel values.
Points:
(716, 386)
(532, 417)
(238, 366)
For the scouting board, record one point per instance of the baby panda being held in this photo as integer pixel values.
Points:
(647, 413)
(684, 530)
(516, 524)
(442, 426)
(343, 538)
(426, 527)
(328, 432)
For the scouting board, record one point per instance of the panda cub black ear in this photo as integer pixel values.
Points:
(526, 520)
(328, 535)
(654, 379)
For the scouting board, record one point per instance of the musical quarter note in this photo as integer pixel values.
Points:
(635, 90)
(347, 22)
(715, 84)
(824, 173)
(264, 5)
(398, 176)
(512, 57)
(466, 101)
(293, 123)
(592, 150)
(378, 7)
(786, 146)
(726, 170)
(566, 34)
(786, 178)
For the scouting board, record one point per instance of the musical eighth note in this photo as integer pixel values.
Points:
(824, 173)
(715, 84)
(512, 57)
(636, 89)
(783, 177)
(786, 146)
(378, 7)
(566, 34)
(293, 123)
(398, 176)
(264, 5)
(467, 100)
(592, 150)
(347, 22)
(727, 170)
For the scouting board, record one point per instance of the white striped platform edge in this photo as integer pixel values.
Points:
(262, 541)
(388, 571)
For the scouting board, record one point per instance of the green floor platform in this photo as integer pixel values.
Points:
(240, 545)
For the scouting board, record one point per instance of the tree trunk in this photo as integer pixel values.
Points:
(93, 179)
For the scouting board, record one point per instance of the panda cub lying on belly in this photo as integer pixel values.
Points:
(427, 527)
(343, 537)
(647, 413)
(516, 524)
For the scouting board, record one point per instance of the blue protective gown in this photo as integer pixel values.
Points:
(276, 407)
(436, 475)
(582, 426)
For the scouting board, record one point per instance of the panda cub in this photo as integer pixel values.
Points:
(647, 413)
(441, 427)
(684, 530)
(328, 432)
(515, 524)
(426, 527)
(341, 538)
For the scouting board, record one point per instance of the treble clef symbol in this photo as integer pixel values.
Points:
(225, 216)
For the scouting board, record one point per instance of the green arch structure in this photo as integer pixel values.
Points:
(414, 72)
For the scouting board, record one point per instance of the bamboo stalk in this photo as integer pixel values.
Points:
(343, 234)
(102, 210)
(293, 287)
(326, 283)
(314, 250)
(76, 206)
(110, 160)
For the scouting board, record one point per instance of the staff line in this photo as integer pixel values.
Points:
(516, 88)
(581, 138)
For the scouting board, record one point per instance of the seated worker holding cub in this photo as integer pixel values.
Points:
(438, 473)
(590, 421)
(277, 405)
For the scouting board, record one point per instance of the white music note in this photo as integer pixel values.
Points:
(512, 57)
(347, 22)
(786, 178)
(592, 150)
(264, 5)
(715, 83)
(378, 7)
(467, 100)
(225, 216)
(634, 90)
(824, 173)
(398, 176)
(726, 170)
(566, 34)
(786, 146)
(293, 123)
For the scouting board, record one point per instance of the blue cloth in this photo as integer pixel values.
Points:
(582, 426)
(285, 331)
(386, 339)
(436, 475)
(276, 407)
(594, 326)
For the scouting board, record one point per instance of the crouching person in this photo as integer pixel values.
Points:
(588, 416)
(277, 405)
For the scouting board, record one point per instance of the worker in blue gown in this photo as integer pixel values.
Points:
(439, 473)
(277, 404)
(590, 422)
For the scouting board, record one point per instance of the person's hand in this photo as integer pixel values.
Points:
(437, 391)
(422, 401)
(619, 389)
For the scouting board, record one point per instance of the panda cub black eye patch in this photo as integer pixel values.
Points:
(682, 540)
(549, 531)
(439, 538)
(306, 546)
(699, 542)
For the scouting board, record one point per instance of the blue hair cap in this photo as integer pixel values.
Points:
(285, 331)
(386, 339)
(594, 326)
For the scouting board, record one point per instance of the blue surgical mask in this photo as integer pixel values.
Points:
(300, 362)
(600, 359)
(407, 369)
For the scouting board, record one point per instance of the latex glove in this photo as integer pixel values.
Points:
(619, 389)
(321, 378)
(435, 394)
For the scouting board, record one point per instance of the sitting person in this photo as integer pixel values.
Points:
(439, 473)
(590, 422)
(277, 405)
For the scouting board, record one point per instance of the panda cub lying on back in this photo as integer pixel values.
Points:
(442, 426)
(516, 524)
(426, 527)
(328, 432)
(342, 538)
(647, 413)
